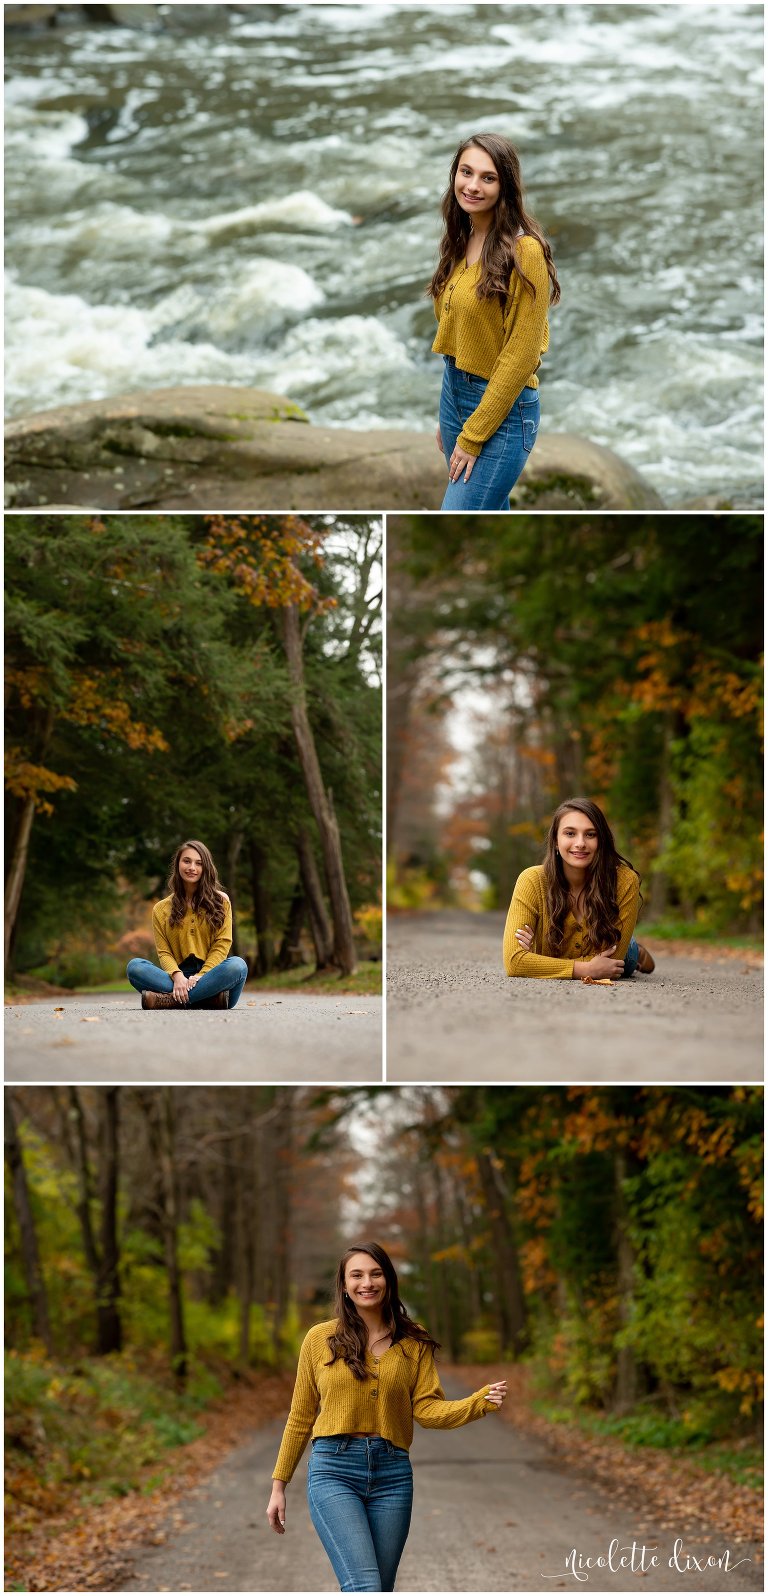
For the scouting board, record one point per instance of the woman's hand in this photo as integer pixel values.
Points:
(439, 440)
(497, 1393)
(276, 1509)
(180, 988)
(461, 461)
(602, 966)
(192, 980)
(525, 937)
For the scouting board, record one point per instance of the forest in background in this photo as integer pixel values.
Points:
(186, 676)
(617, 657)
(163, 1243)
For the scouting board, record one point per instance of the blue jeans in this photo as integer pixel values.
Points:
(630, 959)
(229, 976)
(502, 457)
(360, 1493)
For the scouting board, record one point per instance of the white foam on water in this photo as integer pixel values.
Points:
(82, 351)
(48, 136)
(302, 209)
(318, 352)
(265, 294)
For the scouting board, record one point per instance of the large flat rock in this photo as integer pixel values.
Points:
(216, 447)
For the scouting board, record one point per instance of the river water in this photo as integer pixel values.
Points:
(253, 198)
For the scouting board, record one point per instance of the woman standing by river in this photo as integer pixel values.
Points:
(193, 935)
(363, 1377)
(492, 288)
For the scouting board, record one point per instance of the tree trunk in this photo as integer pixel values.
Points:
(170, 1217)
(234, 844)
(290, 950)
(660, 879)
(283, 1185)
(321, 801)
(265, 947)
(511, 1302)
(18, 869)
(625, 1389)
(30, 1255)
(319, 924)
(108, 1288)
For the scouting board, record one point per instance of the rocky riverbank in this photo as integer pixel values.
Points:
(128, 16)
(228, 448)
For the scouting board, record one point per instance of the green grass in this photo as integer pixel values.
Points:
(99, 1424)
(739, 1458)
(366, 980)
(685, 931)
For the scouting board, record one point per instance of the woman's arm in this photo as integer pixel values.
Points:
(304, 1406)
(431, 1409)
(166, 957)
(222, 942)
(520, 355)
(516, 961)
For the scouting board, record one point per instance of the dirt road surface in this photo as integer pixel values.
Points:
(492, 1511)
(453, 1014)
(275, 1036)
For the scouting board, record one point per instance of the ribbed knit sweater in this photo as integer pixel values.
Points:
(503, 345)
(402, 1385)
(529, 907)
(193, 935)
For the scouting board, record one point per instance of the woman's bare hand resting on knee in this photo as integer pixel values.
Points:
(180, 988)
(602, 965)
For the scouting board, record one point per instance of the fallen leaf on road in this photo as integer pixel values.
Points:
(63, 1041)
(593, 980)
(60, 1009)
(90, 1019)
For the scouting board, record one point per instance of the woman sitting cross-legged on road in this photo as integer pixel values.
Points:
(193, 936)
(573, 917)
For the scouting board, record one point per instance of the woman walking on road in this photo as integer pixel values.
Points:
(492, 288)
(363, 1378)
(193, 935)
(573, 917)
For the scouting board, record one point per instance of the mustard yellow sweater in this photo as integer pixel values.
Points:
(505, 346)
(193, 935)
(529, 907)
(403, 1385)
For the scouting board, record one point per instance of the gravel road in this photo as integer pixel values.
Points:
(493, 1511)
(453, 1014)
(273, 1036)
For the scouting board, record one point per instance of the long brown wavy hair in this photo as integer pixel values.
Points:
(349, 1341)
(208, 896)
(601, 909)
(499, 259)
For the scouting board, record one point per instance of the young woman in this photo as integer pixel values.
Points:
(363, 1377)
(574, 915)
(494, 282)
(193, 936)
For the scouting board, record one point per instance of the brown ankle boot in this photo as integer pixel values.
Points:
(646, 964)
(159, 1000)
(220, 1001)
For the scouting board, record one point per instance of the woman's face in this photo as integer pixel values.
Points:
(577, 839)
(364, 1281)
(476, 184)
(190, 866)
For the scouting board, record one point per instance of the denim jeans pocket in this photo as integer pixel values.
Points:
(529, 412)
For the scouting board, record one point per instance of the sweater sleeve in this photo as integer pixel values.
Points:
(431, 1409)
(221, 943)
(301, 1419)
(165, 954)
(522, 911)
(520, 355)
